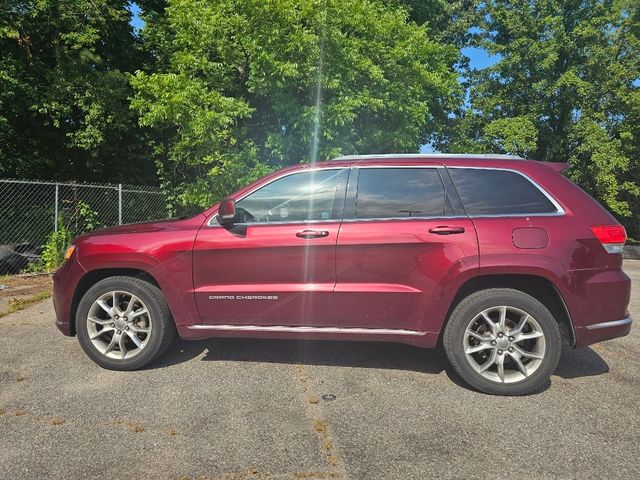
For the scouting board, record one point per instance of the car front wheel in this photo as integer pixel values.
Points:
(503, 341)
(124, 323)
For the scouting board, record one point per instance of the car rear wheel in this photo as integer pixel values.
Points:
(124, 323)
(503, 341)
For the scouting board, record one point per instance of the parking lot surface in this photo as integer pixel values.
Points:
(250, 409)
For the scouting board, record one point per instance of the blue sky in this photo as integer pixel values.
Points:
(479, 57)
(136, 21)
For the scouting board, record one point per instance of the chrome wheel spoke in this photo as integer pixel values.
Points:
(99, 333)
(477, 348)
(134, 338)
(503, 319)
(526, 354)
(131, 304)
(114, 296)
(523, 321)
(123, 348)
(100, 321)
(495, 329)
(527, 336)
(137, 313)
(137, 329)
(477, 336)
(105, 307)
(500, 365)
(112, 343)
(486, 365)
(516, 359)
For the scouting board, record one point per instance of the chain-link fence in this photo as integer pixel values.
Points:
(31, 210)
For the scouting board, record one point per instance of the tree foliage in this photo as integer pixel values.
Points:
(214, 94)
(64, 108)
(565, 89)
(243, 86)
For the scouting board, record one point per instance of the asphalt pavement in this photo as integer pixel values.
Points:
(258, 409)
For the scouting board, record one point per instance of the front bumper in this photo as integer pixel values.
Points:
(65, 282)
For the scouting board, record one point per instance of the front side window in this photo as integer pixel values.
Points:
(399, 192)
(499, 192)
(299, 197)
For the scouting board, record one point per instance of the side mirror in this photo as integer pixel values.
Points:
(227, 211)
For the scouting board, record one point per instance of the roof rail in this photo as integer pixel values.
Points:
(404, 156)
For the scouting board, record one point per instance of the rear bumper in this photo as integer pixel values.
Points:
(625, 322)
(598, 332)
(598, 302)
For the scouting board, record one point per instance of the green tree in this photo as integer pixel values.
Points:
(565, 89)
(240, 87)
(64, 88)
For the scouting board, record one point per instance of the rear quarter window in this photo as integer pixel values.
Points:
(499, 192)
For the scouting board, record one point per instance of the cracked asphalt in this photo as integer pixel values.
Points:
(254, 409)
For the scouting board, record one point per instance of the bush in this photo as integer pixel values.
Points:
(54, 250)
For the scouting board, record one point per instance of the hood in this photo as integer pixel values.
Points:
(147, 227)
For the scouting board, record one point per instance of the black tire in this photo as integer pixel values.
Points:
(454, 340)
(162, 331)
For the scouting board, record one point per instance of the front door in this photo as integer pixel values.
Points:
(276, 264)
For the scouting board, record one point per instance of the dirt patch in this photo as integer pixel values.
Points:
(320, 427)
(17, 291)
(27, 285)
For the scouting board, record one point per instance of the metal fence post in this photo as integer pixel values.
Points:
(55, 210)
(119, 204)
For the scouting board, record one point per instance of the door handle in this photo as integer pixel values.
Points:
(445, 230)
(312, 234)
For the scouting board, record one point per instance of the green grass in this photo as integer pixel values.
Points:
(17, 304)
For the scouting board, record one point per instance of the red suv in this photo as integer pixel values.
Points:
(496, 257)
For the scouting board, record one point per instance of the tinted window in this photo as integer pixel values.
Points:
(498, 192)
(294, 198)
(399, 192)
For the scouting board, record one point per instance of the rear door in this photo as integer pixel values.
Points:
(404, 233)
(276, 264)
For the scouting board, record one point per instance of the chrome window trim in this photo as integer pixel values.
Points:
(559, 210)
(421, 156)
(395, 219)
(301, 222)
(295, 172)
(361, 167)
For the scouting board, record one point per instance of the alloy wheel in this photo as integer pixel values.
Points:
(504, 344)
(119, 325)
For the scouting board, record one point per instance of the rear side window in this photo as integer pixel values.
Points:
(399, 192)
(499, 192)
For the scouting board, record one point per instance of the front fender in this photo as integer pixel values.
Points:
(172, 276)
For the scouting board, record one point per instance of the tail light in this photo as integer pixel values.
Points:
(612, 237)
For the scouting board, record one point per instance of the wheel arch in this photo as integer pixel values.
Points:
(539, 287)
(94, 276)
